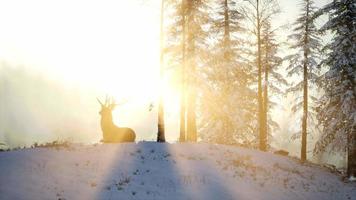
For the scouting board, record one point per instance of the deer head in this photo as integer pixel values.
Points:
(107, 107)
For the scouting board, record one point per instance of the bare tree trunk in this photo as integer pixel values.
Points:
(262, 134)
(303, 154)
(161, 131)
(182, 131)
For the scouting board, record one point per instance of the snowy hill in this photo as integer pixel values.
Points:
(150, 170)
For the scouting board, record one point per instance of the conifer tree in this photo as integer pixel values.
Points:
(226, 99)
(306, 43)
(337, 108)
(182, 129)
(259, 12)
(274, 81)
(187, 44)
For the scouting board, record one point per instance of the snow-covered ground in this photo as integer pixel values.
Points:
(149, 170)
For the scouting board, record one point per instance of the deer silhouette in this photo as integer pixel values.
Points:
(111, 132)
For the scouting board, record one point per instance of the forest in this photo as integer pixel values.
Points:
(234, 69)
(178, 99)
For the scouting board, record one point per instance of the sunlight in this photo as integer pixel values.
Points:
(106, 49)
(160, 99)
(102, 50)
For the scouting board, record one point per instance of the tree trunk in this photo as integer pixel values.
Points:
(303, 153)
(351, 146)
(182, 131)
(191, 116)
(305, 114)
(191, 99)
(351, 153)
(265, 93)
(161, 131)
(262, 134)
(226, 31)
(228, 137)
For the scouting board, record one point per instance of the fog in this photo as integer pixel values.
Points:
(34, 108)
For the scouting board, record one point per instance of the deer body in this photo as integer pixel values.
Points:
(111, 132)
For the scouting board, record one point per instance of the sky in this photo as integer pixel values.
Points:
(84, 49)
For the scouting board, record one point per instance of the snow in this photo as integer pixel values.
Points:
(149, 170)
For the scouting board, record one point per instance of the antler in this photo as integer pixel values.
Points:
(110, 102)
(106, 103)
(100, 101)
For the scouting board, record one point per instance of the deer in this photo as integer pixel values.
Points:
(111, 132)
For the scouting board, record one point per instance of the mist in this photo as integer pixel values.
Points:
(36, 108)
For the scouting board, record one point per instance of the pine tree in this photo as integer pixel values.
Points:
(337, 109)
(306, 43)
(193, 27)
(273, 79)
(182, 131)
(187, 43)
(258, 12)
(225, 106)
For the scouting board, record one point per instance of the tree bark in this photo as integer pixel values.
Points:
(161, 128)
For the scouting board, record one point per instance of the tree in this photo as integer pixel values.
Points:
(183, 102)
(306, 43)
(337, 108)
(226, 97)
(161, 130)
(194, 30)
(175, 51)
(186, 48)
(258, 12)
(273, 79)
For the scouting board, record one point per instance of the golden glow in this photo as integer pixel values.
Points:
(102, 44)
(109, 46)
